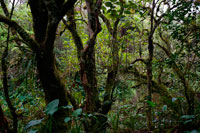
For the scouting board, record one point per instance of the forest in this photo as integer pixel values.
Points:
(99, 66)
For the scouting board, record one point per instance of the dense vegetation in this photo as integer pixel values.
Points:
(99, 66)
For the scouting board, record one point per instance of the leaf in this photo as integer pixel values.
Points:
(114, 13)
(194, 131)
(67, 119)
(127, 12)
(152, 104)
(164, 108)
(77, 112)
(103, 7)
(32, 123)
(187, 116)
(126, 6)
(185, 122)
(28, 66)
(90, 115)
(33, 131)
(108, 4)
(22, 98)
(68, 107)
(52, 107)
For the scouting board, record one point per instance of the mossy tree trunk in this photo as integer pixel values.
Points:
(86, 56)
(87, 64)
(46, 16)
(112, 73)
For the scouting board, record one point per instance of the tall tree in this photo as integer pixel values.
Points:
(46, 16)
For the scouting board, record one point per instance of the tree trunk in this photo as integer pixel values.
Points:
(54, 88)
(149, 84)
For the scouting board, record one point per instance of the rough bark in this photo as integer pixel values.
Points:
(86, 56)
(72, 28)
(45, 35)
(88, 67)
(40, 19)
(87, 61)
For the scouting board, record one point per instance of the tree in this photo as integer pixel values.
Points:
(46, 17)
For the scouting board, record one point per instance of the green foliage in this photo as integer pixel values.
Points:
(178, 32)
(32, 123)
(77, 112)
(52, 107)
(115, 121)
(67, 119)
(76, 117)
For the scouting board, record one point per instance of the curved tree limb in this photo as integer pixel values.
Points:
(72, 28)
(107, 22)
(32, 44)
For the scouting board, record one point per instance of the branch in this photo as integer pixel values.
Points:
(67, 6)
(94, 26)
(52, 8)
(158, 21)
(114, 32)
(131, 65)
(32, 44)
(107, 22)
(138, 85)
(164, 49)
(5, 9)
(142, 60)
(75, 35)
(55, 15)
